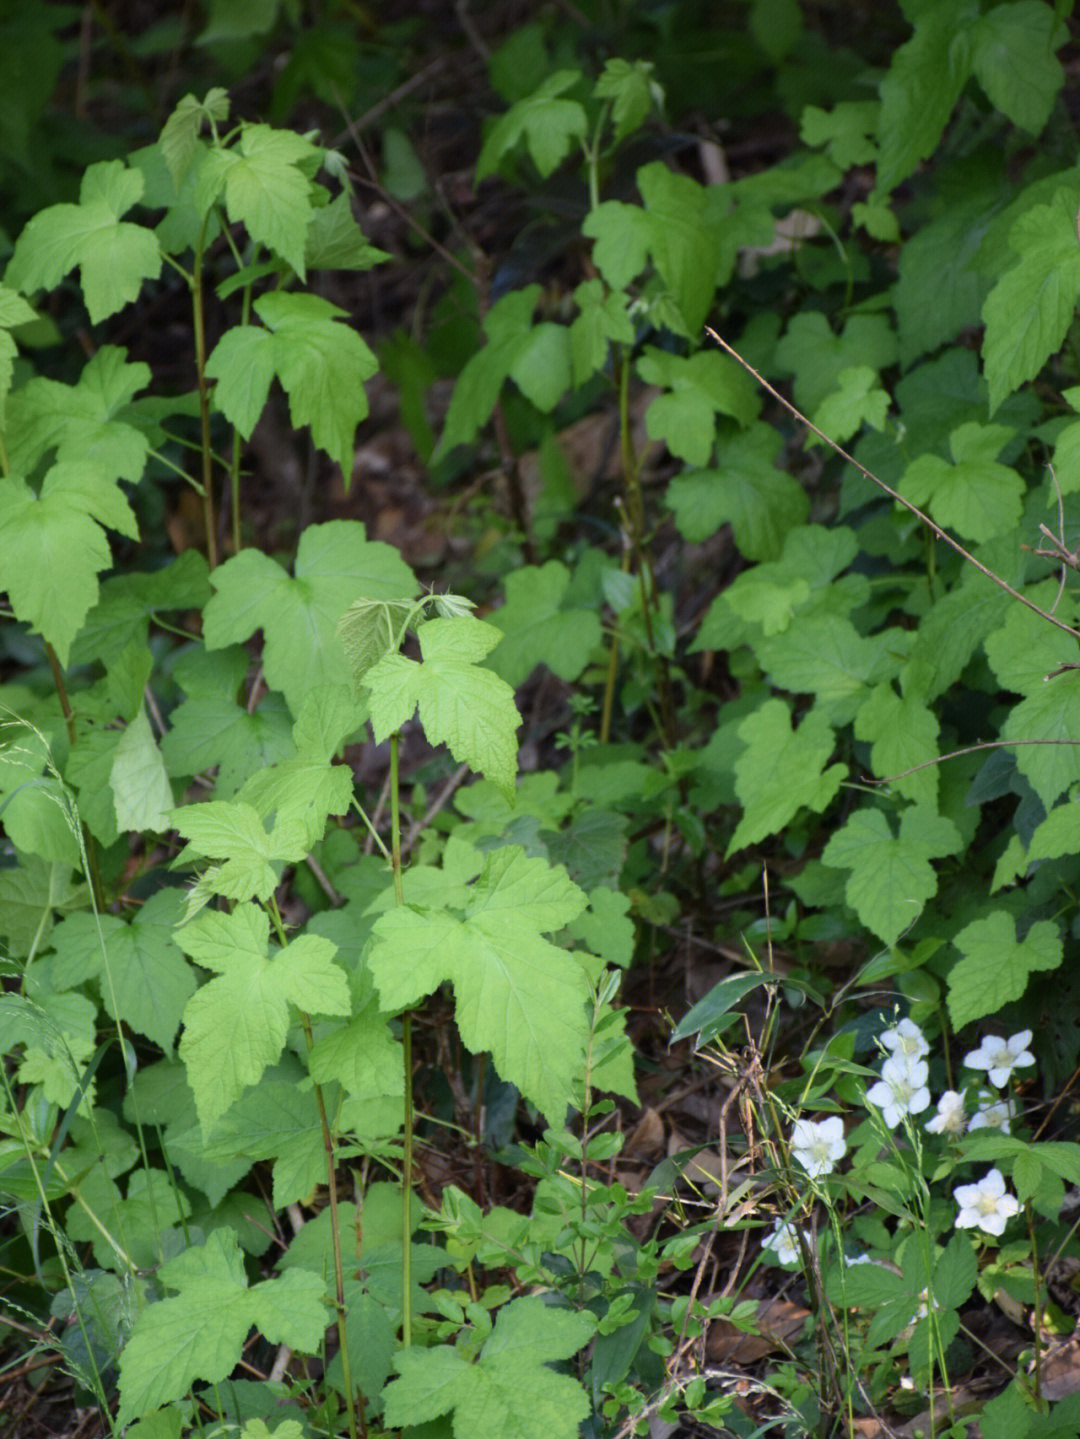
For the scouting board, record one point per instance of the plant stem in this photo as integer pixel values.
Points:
(94, 873)
(406, 1049)
(335, 1232)
(204, 400)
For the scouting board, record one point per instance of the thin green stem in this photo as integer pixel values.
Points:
(406, 1049)
(93, 872)
(1038, 1304)
(204, 400)
(335, 1231)
(234, 459)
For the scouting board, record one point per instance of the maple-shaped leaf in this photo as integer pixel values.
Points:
(336, 242)
(995, 966)
(518, 995)
(903, 734)
(509, 1389)
(320, 362)
(535, 357)
(782, 770)
(548, 124)
(461, 704)
(55, 547)
(266, 188)
(210, 728)
(199, 1334)
(824, 655)
(335, 564)
(370, 629)
(361, 1055)
(747, 491)
(180, 133)
(603, 319)
(144, 978)
(674, 227)
(305, 789)
(235, 1025)
(698, 389)
(234, 833)
(538, 630)
(858, 400)
(975, 496)
(113, 256)
(891, 875)
(631, 89)
(817, 357)
(84, 423)
(1030, 309)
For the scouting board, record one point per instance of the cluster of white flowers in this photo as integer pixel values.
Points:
(817, 1145)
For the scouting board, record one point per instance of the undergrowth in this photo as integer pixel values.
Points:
(344, 897)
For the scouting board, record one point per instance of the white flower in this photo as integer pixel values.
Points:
(999, 1057)
(950, 1117)
(900, 1090)
(985, 1205)
(924, 1307)
(784, 1242)
(993, 1113)
(906, 1040)
(817, 1146)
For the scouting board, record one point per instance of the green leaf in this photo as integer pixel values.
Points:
(536, 357)
(538, 630)
(995, 965)
(307, 788)
(824, 655)
(199, 1334)
(145, 980)
(903, 733)
(846, 130)
(675, 228)
(140, 786)
(548, 125)
(462, 705)
(817, 357)
(1030, 309)
(975, 496)
(235, 1026)
(891, 875)
(234, 833)
(746, 490)
(517, 994)
(859, 400)
(267, 190)
(1014, 60)
(781, 771)
(629, 85)
(113, 256)
(335, 564)
(698, 389)
(602, 319)
(509, 1390)
(321, 364)
(336, 242)
(54, 548)
(182, 129)
(923, 84)
(370, 629)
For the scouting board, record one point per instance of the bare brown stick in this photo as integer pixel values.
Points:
(893, 494)
(969, 749)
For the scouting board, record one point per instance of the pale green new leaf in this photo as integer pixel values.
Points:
(267, 190)
(538, 630)
(548, 125)
(113, 256)
(782, 771)
(817, 356)
(1030, 309)
(461, 705)
(183, 127)
(335, 564)
(234, 833)
(891, 875)
(141, 790)
(235, 1025)
(995, 965)
(199, 1334)
(629, 85)
(370, 629)
(509, 1390)
(858, 400)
